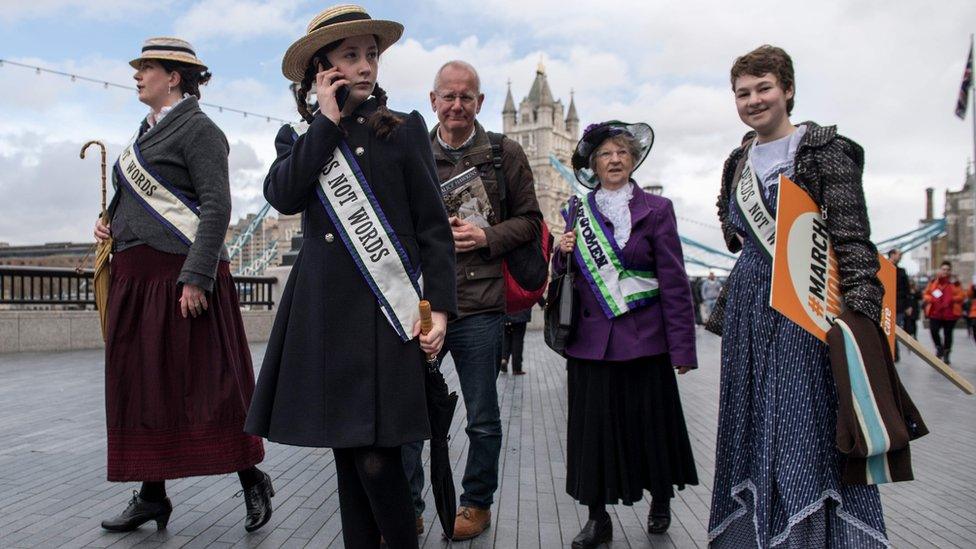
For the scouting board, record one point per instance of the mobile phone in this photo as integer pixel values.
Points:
(342, 94)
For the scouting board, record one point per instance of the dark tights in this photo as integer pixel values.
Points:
(156, 490)
(374, 498)
(942, 344)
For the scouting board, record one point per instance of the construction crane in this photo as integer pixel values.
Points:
(261, 262)
(245, 236)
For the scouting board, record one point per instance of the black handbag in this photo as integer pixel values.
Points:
(561, 301)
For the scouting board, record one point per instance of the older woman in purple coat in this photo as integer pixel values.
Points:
(634, 326)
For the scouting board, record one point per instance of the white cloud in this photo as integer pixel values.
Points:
(16, 10)
(888, 77)
(57, 194)
(238, 21)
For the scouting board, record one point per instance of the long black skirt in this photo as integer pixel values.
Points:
(626, 431)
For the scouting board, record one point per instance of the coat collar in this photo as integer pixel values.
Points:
(366, 108)
(816, 136)
(640, 204)
(174, 120)
(479, 146)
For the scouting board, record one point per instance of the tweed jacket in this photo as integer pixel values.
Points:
(189, 151)
(480, 283)
(828, 166)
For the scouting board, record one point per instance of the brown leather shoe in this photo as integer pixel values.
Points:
(420, 525)
(470, 522)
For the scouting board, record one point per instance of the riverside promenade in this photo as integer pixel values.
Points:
(53, 491)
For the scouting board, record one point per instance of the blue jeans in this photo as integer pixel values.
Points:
(475, 344)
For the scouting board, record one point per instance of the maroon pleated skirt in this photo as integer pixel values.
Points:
(177, 390)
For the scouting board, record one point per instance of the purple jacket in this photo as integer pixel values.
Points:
(667, 325)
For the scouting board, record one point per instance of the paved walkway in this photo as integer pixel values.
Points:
(53, 491)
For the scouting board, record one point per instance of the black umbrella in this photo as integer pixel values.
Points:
(440, 411)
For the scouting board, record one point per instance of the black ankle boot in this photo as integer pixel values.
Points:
(659, 517)
(945, 356)
(257, 501)
(594, 533)
(138, 513)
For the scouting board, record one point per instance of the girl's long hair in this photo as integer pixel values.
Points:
(383, 121)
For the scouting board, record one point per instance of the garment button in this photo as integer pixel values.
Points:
(361, 120)
(360, 151)
(586, 313)
(329, 237)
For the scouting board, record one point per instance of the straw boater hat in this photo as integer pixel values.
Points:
(594, 136)
(334, 24)
(169, 49)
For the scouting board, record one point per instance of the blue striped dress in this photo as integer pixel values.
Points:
(777, 469)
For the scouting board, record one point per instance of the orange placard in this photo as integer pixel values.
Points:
(888, 274)
(806, 286)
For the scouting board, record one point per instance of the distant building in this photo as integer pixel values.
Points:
(959, 245)
(542, 126)
(269, 231)
(52, 254)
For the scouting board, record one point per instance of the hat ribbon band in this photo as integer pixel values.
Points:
(344, 18)
(168, 48)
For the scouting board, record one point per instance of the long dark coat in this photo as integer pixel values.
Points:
(335, 373)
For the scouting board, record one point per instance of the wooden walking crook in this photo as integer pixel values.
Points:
(102, 146)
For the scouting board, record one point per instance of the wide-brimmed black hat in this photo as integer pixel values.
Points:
(595, 134)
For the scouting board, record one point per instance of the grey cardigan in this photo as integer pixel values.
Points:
(189, 151)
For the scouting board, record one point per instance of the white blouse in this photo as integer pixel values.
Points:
(615, 206)
(157, 117)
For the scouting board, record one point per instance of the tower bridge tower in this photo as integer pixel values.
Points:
(542, 126)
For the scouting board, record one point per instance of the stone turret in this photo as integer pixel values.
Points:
(572, 119)
(540, 128)
(508, 111)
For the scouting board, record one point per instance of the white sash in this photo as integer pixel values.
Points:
(618, 290)
(367, 234)
(753, 209)
(159, 197)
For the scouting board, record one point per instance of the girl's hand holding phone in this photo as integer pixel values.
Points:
(327, 82)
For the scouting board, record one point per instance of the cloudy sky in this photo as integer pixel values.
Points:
(887, 73)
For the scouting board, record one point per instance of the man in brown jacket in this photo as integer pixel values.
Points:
(474, 339)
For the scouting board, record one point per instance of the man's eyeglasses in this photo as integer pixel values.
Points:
(466, 99)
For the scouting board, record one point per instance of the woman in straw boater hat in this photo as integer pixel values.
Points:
(343, 367)
(634, 327)
(178, 374)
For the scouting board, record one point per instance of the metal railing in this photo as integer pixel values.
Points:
(255, 291)
(63, 288)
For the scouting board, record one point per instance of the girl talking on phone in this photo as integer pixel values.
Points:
(344, 368)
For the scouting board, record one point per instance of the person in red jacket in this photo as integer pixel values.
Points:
(943, 307)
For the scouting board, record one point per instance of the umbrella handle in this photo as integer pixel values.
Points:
(102, 146)
(426, 325)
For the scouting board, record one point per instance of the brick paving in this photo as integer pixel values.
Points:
(53, 491)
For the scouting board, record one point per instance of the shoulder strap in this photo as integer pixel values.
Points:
(496, 161)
